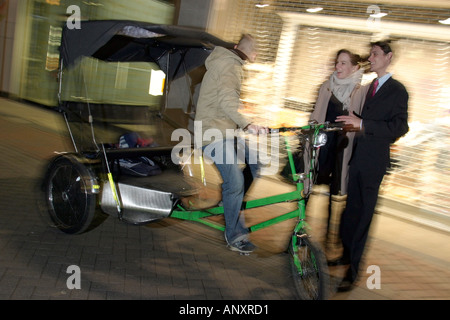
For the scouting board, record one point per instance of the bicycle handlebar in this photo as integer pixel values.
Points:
(336, 126)
(326, 126)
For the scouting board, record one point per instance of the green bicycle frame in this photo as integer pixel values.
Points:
(296, 195)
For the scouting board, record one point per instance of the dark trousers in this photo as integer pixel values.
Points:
(362, 197)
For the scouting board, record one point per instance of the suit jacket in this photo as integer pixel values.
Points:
(385, 119)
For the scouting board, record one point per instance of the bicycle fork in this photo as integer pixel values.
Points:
(298, 239)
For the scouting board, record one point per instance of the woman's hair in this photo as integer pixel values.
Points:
(355, 59)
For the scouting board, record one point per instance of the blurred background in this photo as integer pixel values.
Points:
(298, 42)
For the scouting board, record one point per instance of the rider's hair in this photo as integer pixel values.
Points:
(247, 44)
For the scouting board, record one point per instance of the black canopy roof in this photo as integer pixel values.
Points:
(123, 40)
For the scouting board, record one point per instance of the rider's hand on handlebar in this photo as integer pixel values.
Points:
(255, 129)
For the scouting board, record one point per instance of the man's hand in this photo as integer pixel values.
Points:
(255, 129)
(351, 122)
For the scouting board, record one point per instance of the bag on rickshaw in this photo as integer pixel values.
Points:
(141, 166)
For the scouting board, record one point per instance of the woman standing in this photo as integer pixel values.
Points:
(341, 94)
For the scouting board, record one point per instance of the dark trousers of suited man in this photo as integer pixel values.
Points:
(383, 119)
(362, 198)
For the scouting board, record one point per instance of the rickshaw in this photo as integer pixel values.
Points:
(110, 140)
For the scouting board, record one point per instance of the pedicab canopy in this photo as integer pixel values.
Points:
(172, 47)
(94, 86)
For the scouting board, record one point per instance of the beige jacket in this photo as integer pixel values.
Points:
(219, 98)
(320, 111)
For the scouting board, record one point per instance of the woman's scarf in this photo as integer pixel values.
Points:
(343, 88)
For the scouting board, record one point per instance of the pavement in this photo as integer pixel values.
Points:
(170, 259)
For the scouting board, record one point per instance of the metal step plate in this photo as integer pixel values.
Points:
(139, 205)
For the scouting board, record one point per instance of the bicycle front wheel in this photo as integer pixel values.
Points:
(309, 269)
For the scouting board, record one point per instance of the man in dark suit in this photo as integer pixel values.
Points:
(384, 119)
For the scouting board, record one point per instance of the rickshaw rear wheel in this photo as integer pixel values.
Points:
(309, 269)
(71, 203)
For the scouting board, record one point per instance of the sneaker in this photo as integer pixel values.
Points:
(242, 246)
